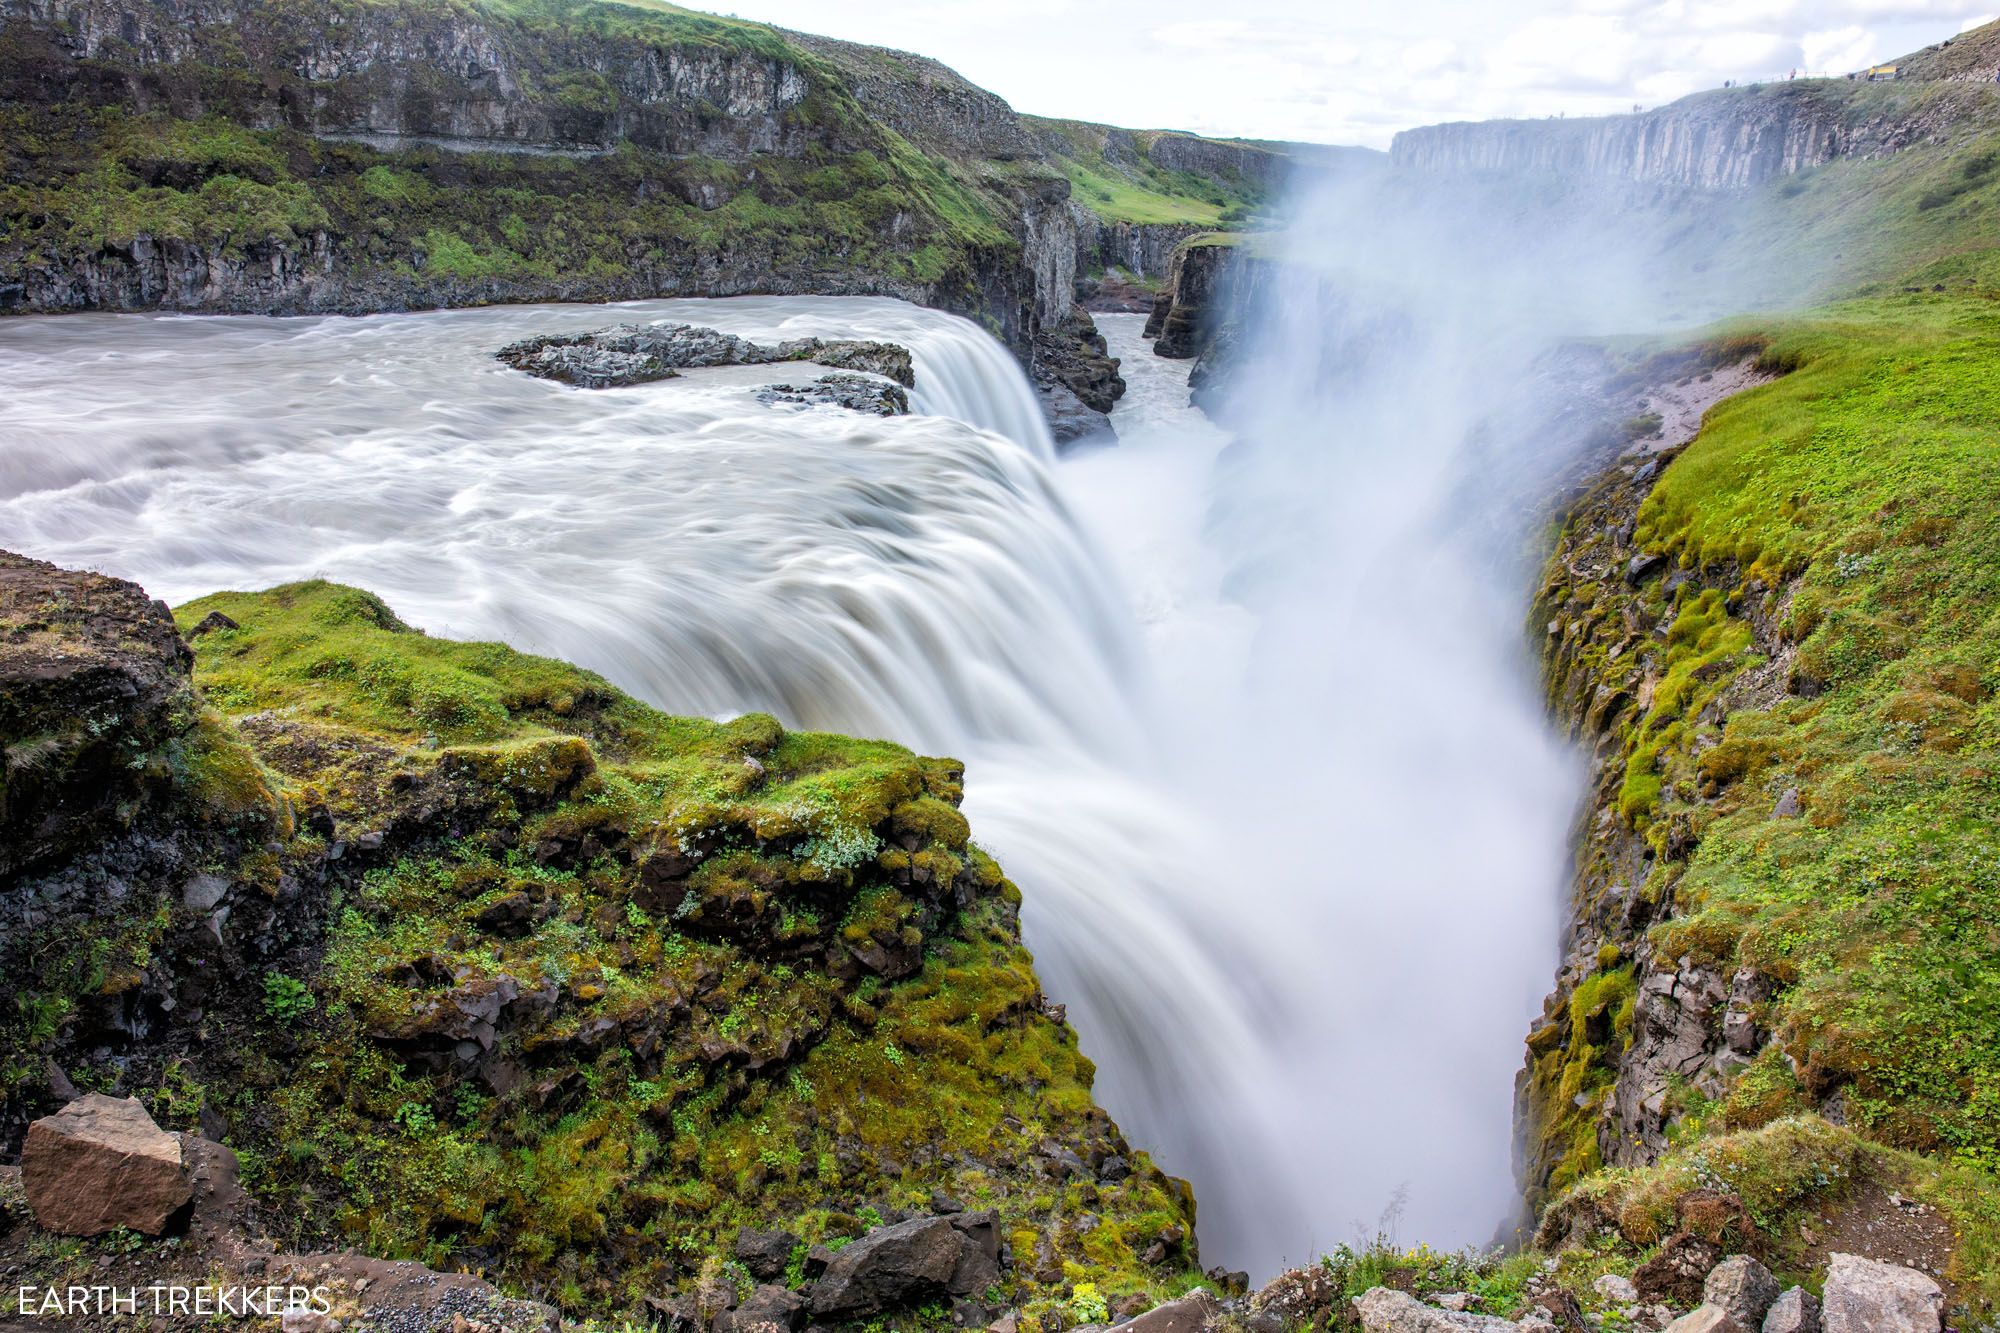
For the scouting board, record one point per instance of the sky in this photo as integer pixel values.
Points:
(1333, 71)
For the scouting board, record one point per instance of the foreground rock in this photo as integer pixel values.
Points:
(1742, 1288)
(1076, 378)
(1866, 1296)
(643, 353)
(101, 1163)
(1190, 1314)
(1384, 1310)
(909, 1264)
(96, 679)
(855, 393)
(1797, 1311)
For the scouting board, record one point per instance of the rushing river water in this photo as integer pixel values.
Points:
(1201, 887)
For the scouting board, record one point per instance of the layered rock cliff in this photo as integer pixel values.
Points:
(1726, 139)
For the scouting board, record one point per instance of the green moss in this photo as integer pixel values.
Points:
(666, 1056)
(1851, 509)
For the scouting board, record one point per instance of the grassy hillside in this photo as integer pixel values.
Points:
(1112, 173)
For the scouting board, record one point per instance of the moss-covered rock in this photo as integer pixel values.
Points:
(517, 973)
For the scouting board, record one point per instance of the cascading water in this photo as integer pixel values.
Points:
(1246, 720)
(918, 578)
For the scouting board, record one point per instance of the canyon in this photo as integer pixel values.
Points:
(667, 986)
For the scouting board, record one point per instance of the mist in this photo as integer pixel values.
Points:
(1345, 690)
(1246, 703)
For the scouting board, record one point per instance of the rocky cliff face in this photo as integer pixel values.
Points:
(476, 957)
(1727, 139)
(293, 159)
(442, 74)
(1143, 249)
(1632, 1039)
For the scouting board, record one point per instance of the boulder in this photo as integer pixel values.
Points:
(1866, 1296)
(1743, 1287)
(1190, 1314)
(1384, 1310)
(1797, 1311)
(94, 681)
(765, 1253)
(889, 1268)
(101, 1163)
(978, 1255)
(855, 393)
(767, 1307)
(631, 354)
(1676, 1273)
(1707, 1318)
(1616, 1289)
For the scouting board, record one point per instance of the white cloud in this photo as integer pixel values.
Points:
(1355, 73)
(1840, 50)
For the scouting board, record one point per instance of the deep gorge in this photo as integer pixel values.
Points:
(1506, 605)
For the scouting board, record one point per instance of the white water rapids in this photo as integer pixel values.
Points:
(1294, 1010)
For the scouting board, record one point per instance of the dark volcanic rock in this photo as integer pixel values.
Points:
(889, 1268)
(856, 393)
(642, 353)
(765, 1253)
(1076, 377)
(93, 681)
(767, 1307)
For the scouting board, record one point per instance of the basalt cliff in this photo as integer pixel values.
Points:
(293, 158)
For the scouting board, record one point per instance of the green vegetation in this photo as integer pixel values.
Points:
(1796, 1179)
(1124, 184)
(1874, 225)
(615, 984)
(1811, 755)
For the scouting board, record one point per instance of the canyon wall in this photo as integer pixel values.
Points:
(1726, 139)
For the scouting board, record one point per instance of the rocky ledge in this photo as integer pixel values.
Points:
(473, 957)
(1076, 378)
(643, 353)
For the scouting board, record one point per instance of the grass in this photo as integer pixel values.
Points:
(1139, 190)
(1852, 507)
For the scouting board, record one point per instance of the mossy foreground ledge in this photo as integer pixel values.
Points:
(475, 960)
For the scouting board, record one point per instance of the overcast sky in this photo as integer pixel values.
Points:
(1334, 71)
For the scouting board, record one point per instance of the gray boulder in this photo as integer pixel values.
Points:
(1616, 1289)
(856, 393)
(1797, 1311)
(1385, 1310)
(767, 1307)
(1866, 1296)
(1742, 1287)
(889, 1268)
(1190, 1314)
(1707, 1318)
(765, 1253)
(642, 353)
(978, 1254)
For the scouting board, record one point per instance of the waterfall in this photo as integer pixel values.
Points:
(1245, 714)
(919, 578)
